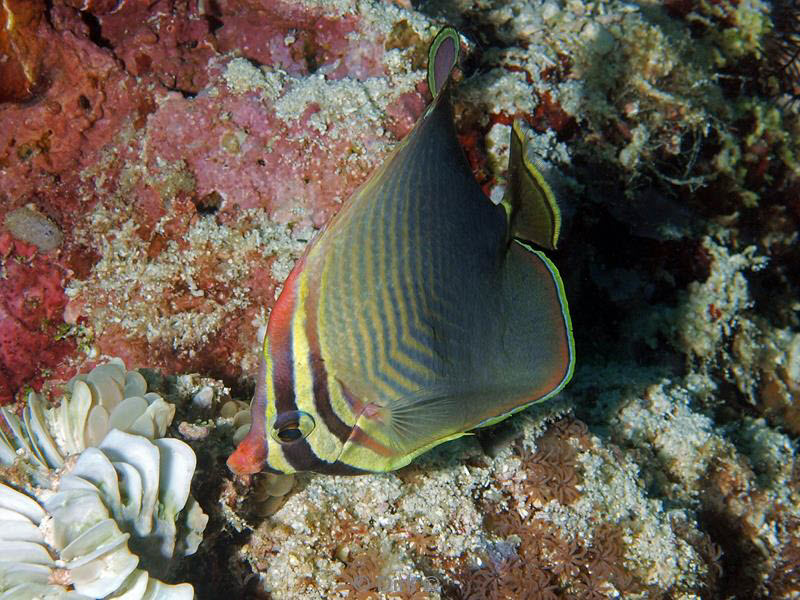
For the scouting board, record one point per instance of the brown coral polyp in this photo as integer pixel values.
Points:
(552, 469)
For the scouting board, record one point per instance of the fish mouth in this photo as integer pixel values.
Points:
(250, 456)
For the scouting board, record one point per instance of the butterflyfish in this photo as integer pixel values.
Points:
(422, 310)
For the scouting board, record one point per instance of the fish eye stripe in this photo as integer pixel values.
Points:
(306, 387)
(301, 456)
(292, 426)
(339, 468)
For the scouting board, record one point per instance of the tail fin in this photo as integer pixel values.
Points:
(442, 57)
(534, 213)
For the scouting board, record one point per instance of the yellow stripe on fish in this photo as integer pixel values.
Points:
(419, 313)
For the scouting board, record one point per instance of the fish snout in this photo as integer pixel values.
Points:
(250, 455)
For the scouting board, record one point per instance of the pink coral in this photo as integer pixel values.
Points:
(32, 301)
(85, 102)
(140, 134)
(403, 113)
(171, 41)
(300, 39)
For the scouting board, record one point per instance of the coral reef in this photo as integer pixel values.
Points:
(297, 106)
(32, 301)
(163, 164)
(783, 44)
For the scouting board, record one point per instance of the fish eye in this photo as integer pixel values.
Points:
(291, 426)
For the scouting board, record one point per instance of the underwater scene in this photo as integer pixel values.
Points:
(363, 299)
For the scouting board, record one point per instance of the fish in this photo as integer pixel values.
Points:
(421, 312)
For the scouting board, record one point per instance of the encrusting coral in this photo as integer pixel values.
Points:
(95, 502)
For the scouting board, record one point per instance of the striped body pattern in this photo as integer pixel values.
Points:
(414, 317)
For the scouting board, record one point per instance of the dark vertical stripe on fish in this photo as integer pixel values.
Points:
(299, 454)
(319, 375)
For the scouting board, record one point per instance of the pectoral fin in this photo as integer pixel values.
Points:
(388, 437)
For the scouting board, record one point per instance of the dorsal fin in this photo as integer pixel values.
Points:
(534, 212)
(442, 57)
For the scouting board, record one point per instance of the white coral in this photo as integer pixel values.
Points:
(113, 503)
